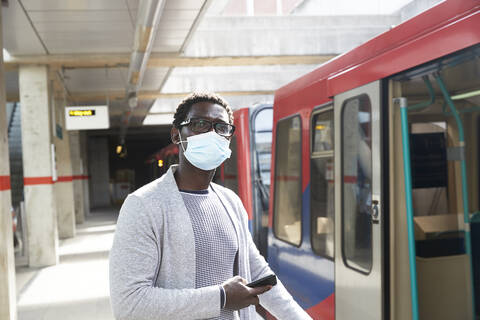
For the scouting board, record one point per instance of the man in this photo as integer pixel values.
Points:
(182, 249)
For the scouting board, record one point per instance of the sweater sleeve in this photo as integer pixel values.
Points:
(277, 301)
(134, 262)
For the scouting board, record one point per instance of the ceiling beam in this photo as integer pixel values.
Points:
(158, 60)
(150, 95)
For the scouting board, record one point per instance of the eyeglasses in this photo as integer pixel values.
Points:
(199, 125)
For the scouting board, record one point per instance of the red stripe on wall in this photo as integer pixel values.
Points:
(65, 179)
(4, 183)
(30, 181)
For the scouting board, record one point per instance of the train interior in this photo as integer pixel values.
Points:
(445, 283)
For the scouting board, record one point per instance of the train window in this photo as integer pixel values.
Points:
(287, 214)
(230, 167)
(357, 183)
(322, 132)
(322, 186)
(428, 152)
(263, 144)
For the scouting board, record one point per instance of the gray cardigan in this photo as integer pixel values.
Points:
(152, 261)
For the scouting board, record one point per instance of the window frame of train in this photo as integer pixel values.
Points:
(368, 281)
(277, 183)
(325, 113)
(260, 183)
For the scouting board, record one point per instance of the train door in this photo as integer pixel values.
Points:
(358, 203)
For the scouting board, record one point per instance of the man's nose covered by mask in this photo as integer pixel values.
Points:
(206, 151)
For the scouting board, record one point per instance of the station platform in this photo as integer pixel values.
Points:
(77, 287)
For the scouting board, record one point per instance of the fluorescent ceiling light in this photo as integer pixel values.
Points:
(158, 119)
(466, 95)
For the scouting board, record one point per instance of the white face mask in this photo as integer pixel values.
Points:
(206, 151)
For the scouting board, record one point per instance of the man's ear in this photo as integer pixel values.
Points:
(174, 135)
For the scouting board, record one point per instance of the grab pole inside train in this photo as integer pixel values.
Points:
(466, 217)
(408, 199)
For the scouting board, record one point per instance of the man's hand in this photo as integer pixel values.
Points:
(239, 296)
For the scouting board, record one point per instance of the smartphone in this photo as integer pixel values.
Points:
(265, 281)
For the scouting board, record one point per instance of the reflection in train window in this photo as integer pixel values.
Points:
(230, 167)
(322, 185)
(288, 184)
(357, 183)
(263, 150)
(322, 131)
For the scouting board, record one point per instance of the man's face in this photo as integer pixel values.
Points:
(207, 111)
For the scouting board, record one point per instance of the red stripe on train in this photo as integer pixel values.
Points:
(325, 310)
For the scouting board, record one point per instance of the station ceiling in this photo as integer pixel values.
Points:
(243, 49)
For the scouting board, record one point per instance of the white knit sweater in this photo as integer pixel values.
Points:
(152, 261)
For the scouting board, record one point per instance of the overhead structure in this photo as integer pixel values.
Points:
(148, 17)
(139, 54)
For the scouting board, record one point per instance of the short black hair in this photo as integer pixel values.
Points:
(195, 97)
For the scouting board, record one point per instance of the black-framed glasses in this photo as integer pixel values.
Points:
(199, 125)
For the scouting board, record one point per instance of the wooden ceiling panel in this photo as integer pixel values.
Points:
(44, 5)
(183, 5)
(172, 33)
(90, 46)
(85, 28)
(84, 80)
(160, 48)
(176, 14)
(168, 41)
(73, 16)
(133, 4)
(153, 78)
(183, 24)
(18, 35)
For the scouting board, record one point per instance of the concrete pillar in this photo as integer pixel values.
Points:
(86, 177)
(38, 170)
(64, 185)
(8, 307)
(98, 165)
(78, 177)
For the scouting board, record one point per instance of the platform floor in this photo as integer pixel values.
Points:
(77, 288)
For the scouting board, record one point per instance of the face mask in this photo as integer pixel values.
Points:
(206, 151)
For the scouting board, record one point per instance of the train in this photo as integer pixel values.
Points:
(362, 183)
(374, 209)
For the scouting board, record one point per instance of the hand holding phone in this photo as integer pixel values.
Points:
(239, 296)
(265, 281)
